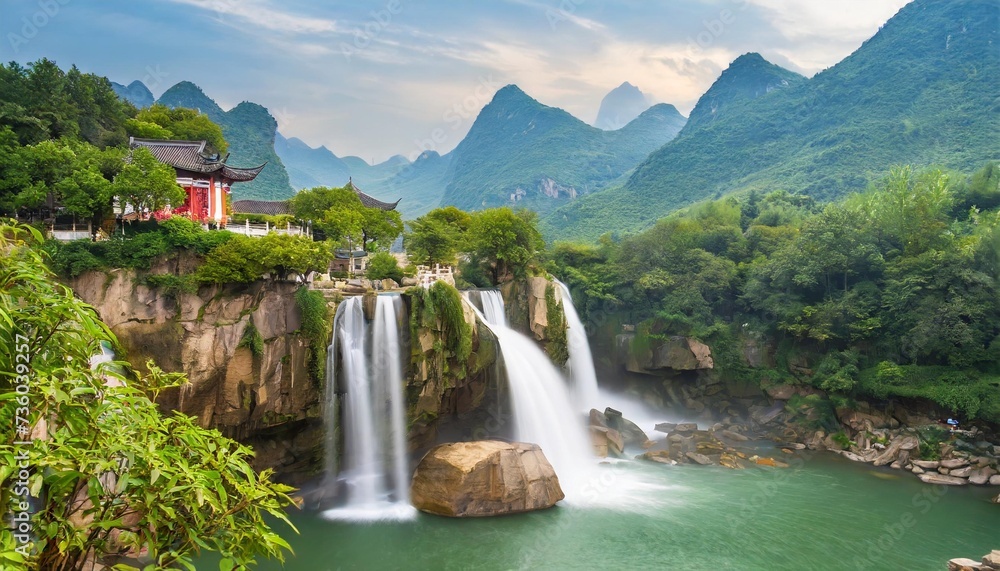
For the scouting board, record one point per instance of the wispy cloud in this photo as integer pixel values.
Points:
(262, 15)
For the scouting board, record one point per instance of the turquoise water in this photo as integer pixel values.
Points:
(823, 512)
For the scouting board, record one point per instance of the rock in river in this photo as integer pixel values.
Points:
(932, 478)
(484, 478)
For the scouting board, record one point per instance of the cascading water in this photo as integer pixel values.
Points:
(375, 472)
(542, 411)
(586, 393)
(581, 362)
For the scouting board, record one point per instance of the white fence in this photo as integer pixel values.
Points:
(69, 232)
(258, 230)
(427, 275)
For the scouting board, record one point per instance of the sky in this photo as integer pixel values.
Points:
(384, 77)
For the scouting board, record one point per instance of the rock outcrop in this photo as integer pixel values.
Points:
(484, 478)
(672, 354)
(989, 562)
(239, 347)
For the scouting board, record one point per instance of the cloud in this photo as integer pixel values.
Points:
(258, 13)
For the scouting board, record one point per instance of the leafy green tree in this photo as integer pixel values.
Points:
(379, 228)
(339, 215)
(146, 183)
(506, 241)
(292, 256)
(111, 473)
(438, 236)
(384, 265)
(161, 122)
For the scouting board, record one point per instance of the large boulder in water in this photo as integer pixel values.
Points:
(484, 478)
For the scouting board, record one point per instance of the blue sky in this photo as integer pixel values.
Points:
(377, 78)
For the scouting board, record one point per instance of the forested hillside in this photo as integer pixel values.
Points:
(922, 91)
(890, 293)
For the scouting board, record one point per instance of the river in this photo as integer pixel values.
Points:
(824, 512)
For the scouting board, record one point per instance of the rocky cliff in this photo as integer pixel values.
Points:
(241, 349)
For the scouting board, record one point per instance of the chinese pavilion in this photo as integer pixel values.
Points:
(205, 178)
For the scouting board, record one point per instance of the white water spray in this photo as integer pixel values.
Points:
(581, 361)
(543, 414)
(375, 470)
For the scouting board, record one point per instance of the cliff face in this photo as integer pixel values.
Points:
(240, 348)
(248, 363)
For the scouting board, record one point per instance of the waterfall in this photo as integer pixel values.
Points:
(586, 393)
(543, 413)
(581, 362)
(372, 426)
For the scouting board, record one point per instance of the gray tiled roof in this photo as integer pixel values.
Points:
(191, 156)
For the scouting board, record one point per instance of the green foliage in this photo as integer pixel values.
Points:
(384, 265)
(146, 183)
(252, 340)
(41, 102)
(842, 440)
(161, 122)
(556, 343)
(439, 308)
(242, 259)
(113, 473)
(340, 216)
(316, 327)
(505, 241)
(922, 104)
(874, 288)
(438, 236)
(172, 284)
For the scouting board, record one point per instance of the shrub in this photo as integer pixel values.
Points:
(384, 265)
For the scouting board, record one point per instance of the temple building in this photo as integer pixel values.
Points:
(206, 178)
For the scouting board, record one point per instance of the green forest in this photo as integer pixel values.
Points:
(888, 293)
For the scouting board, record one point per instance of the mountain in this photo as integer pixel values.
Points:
(749, 76)
(136, 93)
(250, 131)
(921, 91)
(420, 184)
(623, 104)
(522, 152)
(308, 167)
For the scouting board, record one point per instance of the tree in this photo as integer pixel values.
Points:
(161, 122)
(438, 236)
(384, 265)
(339, 214)
(146, 183)
(108, 471)
(506, 241)
(379, 228)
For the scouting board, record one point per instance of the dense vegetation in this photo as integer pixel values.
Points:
(921, 91)
(64, 145)
(894, 292)
(519, 147)
(340, 216)
(109, 472)
(496, 245)
(226, 257)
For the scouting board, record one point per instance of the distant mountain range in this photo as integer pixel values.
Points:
(136, 93)
(521, 152)
(923, 91)
(620, 106)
